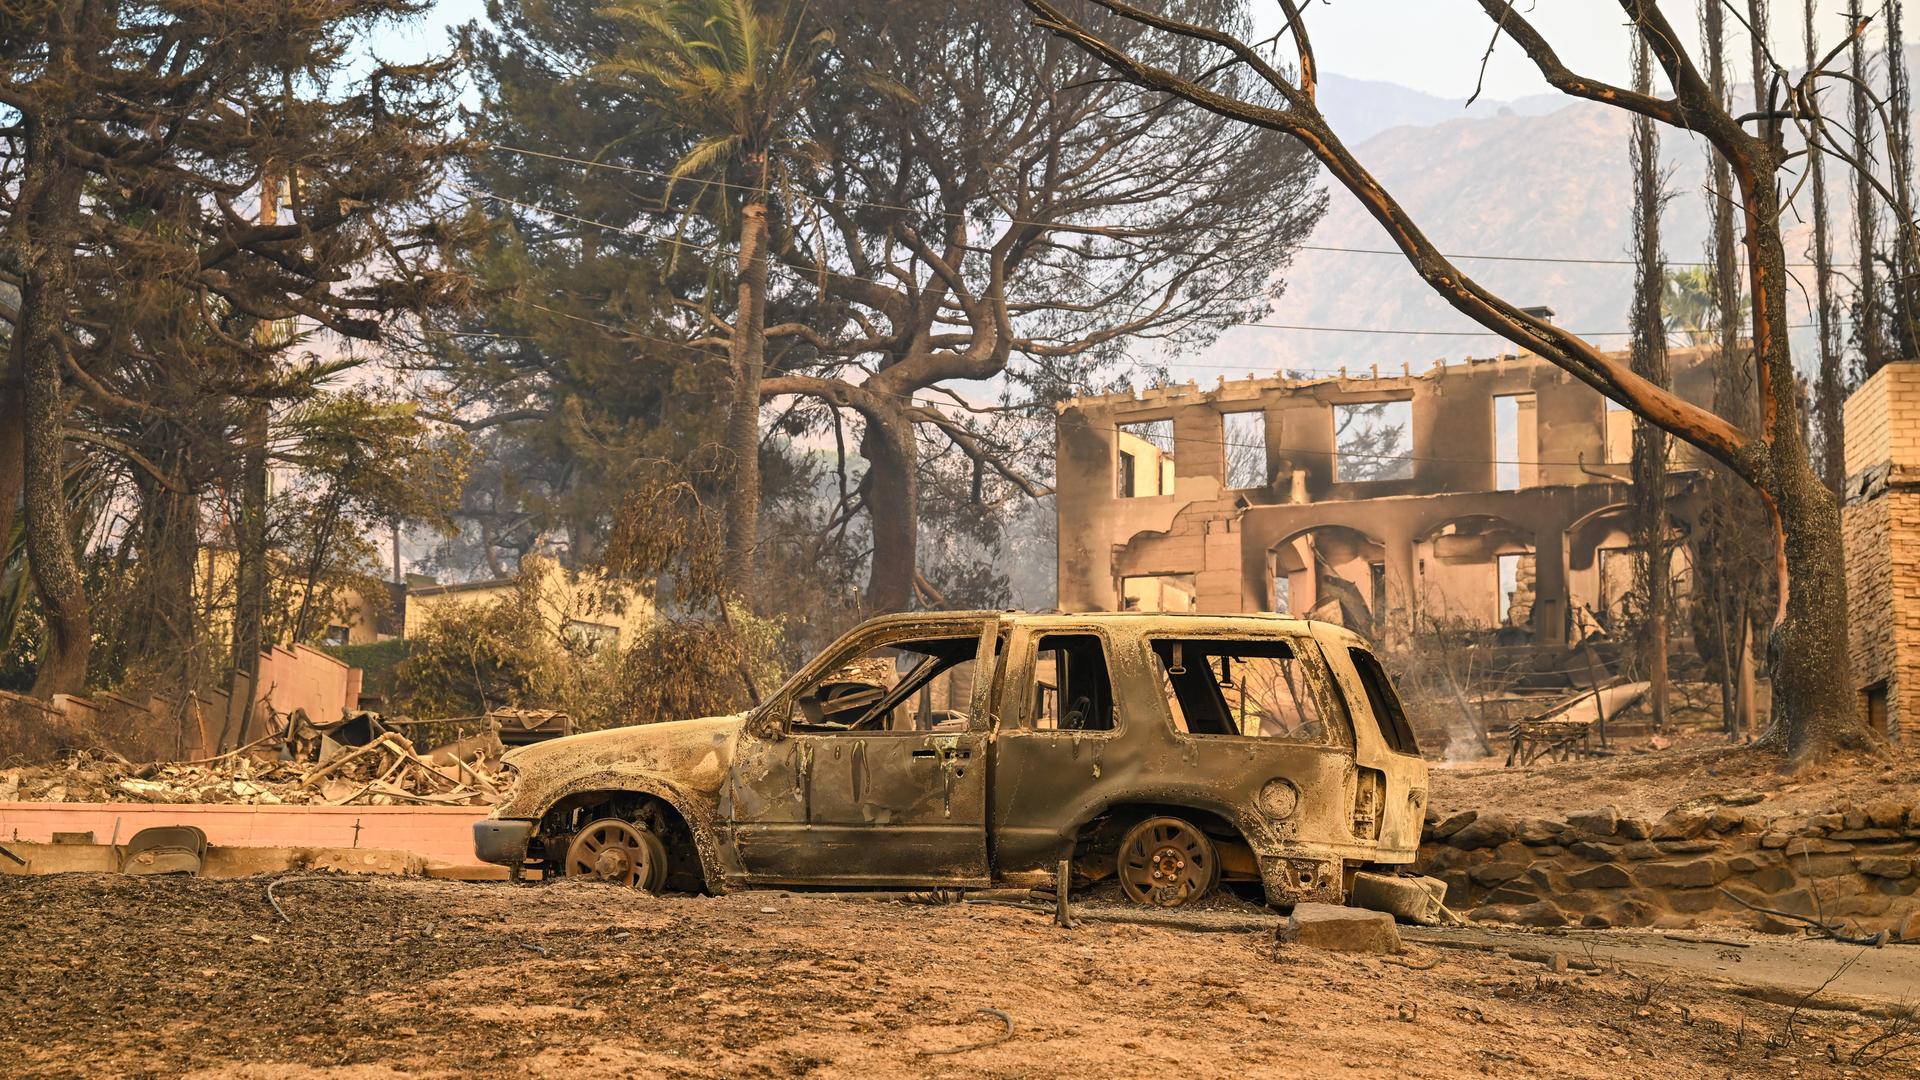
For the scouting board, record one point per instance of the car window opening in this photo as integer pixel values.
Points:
(1072, 689)
(904, 686)
(1384, 702)
(1253, 689)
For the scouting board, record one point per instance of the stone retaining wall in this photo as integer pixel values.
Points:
(1854, 866)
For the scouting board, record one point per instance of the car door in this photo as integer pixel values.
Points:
(875, 776)
(1389, 800)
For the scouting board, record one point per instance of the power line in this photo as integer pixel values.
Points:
(860, 203)
(1172, 441)
(627, 231)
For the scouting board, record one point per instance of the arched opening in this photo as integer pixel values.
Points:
(1476, 573)
(1603, 588)
(1331, 573)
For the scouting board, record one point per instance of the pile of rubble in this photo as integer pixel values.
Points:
(296, 766)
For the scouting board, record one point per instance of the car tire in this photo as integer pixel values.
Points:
(618, 851)
(1167, 862)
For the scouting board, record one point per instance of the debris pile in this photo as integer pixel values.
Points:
(384, 772)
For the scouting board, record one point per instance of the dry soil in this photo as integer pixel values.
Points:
(372, 978)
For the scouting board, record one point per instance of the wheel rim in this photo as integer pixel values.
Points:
(1166, 862)
(613, 850)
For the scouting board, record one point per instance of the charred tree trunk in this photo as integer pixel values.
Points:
(1653, 558)
(46, 224)
(1904, 334)
(1829, 387)
(250, 572)
(891, 448)
(1867, 330)
(1815, 706)
(13, 442)
(748, 355)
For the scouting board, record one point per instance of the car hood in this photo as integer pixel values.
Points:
(693, 755)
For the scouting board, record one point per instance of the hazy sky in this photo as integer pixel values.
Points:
(1436, 45)
(1429, 45)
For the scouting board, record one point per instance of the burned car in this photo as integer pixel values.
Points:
(1177, 753)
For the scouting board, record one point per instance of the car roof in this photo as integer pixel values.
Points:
(1137, 621)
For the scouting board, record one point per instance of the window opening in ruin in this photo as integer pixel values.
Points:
(1514, 604)
(1144, 467)
(1384, 702)
(1282, 592)
(1071, 688)
(1616, 573)
(1515, 442)
(1253, 689)
(1877, 707)
(904, 686)
(1245, 436)
(1159, 592)
(1373, 441)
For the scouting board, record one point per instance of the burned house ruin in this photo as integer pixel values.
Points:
(1487, 495)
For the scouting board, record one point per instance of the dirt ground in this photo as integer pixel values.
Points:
(1647, 783)
(379, 978)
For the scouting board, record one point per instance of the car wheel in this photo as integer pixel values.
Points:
(1167, 862)
(620, 852)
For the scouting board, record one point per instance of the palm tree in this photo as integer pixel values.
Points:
(731, 76)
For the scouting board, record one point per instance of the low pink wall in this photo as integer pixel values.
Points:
(442, 834)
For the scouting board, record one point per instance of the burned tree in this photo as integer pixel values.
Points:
(1653, 557)
(1815, 707)
(1829, 385)
(994, 208)
(145, 138)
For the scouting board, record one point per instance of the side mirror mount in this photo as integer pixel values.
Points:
(766, 723)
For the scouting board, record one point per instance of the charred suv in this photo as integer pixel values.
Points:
(963, 749)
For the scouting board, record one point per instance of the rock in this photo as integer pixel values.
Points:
(1408, 899)
(1807, 845)
(1742, 797)
(1592, 852)
(1681, 824)
(1640, 849)
(1604, 876)
(1726, 821)
(1601, 822)
(1492, 830)
(1852, 817)
(1341, 929)
(1593, 920)
(1884, 866)
(1536, 831)
(1513, 892)
(1774, 839)
(1913, 818)
(1823, 866)
(1886, 813)
(1688, 847)
(1908, 928)
(1634, 912)
(1852, 836)
(1825, 823)
(1453, 823)
(1548, 851)
(1498, 872)
(1635, 829)
(1539, 913)
(1693, 901)
(1691, 874)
